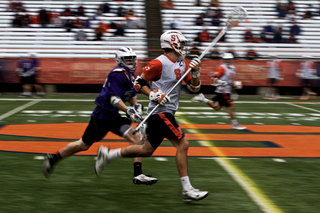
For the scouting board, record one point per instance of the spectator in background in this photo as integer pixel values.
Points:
(98, 33)
(248, 36)
(251, 54)
(25, 20)
(198, 3)
(308, 14)
(11, 6)
(105, 27)
(121, 12)
(292, 39)
(268, 32)
(43, 17)
(176, 24)
(106, 7)
(81, 35)
(86, 23)
(204, 36)
(199, 20)
(290, 6)
(167, 4)
(278, 36)
(215, 20)
(291, 15)
(17, 21)
(81, 10)
(77, 22)
(295, 28)
(67, 11)
(120, 30)
(56, 20)
(214, 3)
(68, 25)
(282, 11)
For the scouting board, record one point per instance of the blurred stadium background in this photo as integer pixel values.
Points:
(70, 65)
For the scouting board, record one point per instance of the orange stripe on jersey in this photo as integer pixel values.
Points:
(219, 72)
(177, 132)
(153, 69)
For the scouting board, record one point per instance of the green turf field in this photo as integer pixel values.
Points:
(236, 184)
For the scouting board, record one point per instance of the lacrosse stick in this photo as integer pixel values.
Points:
(238, 14)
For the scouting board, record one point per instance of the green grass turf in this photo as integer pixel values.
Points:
(293, 186)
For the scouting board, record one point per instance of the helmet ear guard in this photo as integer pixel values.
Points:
(174, 40)
(126, 53)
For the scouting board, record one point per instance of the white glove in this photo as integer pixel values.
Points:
(237, 84)
(219, 82)
(135, 113)
(159, 97)
(195, 66)
(142, 131)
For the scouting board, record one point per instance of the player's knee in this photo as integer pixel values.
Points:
(147, 151)
(184, 145)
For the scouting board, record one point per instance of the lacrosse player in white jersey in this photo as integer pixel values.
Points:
(162, 74)
(307, 73)
(224, 81)
(274, 67)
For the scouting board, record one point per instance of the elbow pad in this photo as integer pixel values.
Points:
(193, 88)
(114, 100)
(139, 83)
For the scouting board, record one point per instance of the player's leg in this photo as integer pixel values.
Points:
(95, 131)
(234, 121)
(138, 176)
(189, 193)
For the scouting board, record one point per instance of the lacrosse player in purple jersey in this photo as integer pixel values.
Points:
(117, 89)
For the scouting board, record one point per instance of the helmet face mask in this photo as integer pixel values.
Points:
(174, 40)
(126, 57)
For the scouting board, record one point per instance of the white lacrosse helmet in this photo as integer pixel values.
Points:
(174, 39)
(126, 57)
(227, 56)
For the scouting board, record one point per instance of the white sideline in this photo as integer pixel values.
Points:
(244, 181)
(14, 111)
(292, 104)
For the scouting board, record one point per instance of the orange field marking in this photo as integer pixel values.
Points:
(289, 145)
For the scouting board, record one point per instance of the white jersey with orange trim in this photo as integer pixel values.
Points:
(225, 73)
(163, 73)
(307, 69)
(274, 67)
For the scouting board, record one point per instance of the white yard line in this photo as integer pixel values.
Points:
(292, 104)
(18, 109)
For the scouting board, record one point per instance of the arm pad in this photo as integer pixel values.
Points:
(193, 88)
(139, 83)
(114, 100)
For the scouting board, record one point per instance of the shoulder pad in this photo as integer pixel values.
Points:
(119, 70)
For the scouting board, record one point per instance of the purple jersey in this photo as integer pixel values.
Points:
(27, 68)
(118, 83)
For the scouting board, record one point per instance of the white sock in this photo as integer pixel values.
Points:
(205, 100)
(115, 153)
(234, 122)
(185, 183)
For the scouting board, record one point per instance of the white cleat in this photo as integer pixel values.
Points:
(194, 195)
(198, 98)
(237, 127)
(102, 159)
(143, 179)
